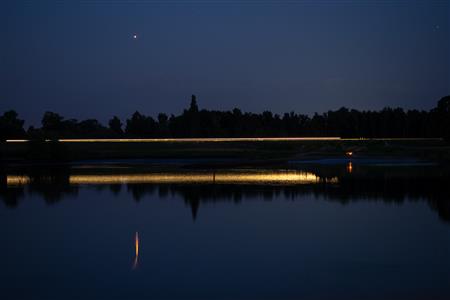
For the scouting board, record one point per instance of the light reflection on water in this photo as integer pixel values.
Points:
(349, 167)
(136, 250)
(312, 234)
(260, 177)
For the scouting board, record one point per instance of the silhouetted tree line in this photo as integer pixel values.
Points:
(193, 122)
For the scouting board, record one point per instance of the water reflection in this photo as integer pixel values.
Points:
(349, 167)
(246, 177)
(136, 250)
(345, 184)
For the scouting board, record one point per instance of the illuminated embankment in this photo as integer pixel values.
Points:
(243, 139)
(266, 177)
(190, 140)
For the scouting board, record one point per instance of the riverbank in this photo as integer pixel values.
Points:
(226, 152)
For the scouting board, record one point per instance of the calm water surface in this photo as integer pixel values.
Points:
(342, 232)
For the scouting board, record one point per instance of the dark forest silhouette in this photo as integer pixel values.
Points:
(194, 122)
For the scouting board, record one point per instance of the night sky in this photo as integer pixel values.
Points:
(81, 59)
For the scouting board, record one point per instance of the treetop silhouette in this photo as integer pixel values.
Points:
(193, 122)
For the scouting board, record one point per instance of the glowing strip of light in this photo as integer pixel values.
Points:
(184, 140)
(12, 180)
(136, 250)
(391, 139)
(247, 139)
(17, 141)
(270, 177)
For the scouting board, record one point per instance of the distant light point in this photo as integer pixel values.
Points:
(135, 36)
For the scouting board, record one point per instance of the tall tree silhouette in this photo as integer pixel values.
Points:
(115, 125)
(193, 108)
(141, 126)
(193, 122)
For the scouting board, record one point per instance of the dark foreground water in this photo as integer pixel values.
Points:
(330, 232)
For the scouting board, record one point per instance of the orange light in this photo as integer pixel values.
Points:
(349, 153)
(136, 250)
(349, 167)
(136, 242)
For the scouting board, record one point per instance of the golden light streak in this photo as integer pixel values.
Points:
(284, 177)
(199, 140)
(17, 141)
(17, 180)
(136, 238)
(184, 140)
(136, 250)
(243, 139)
(260, 177)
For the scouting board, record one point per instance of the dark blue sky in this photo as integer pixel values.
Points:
(80, 58)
